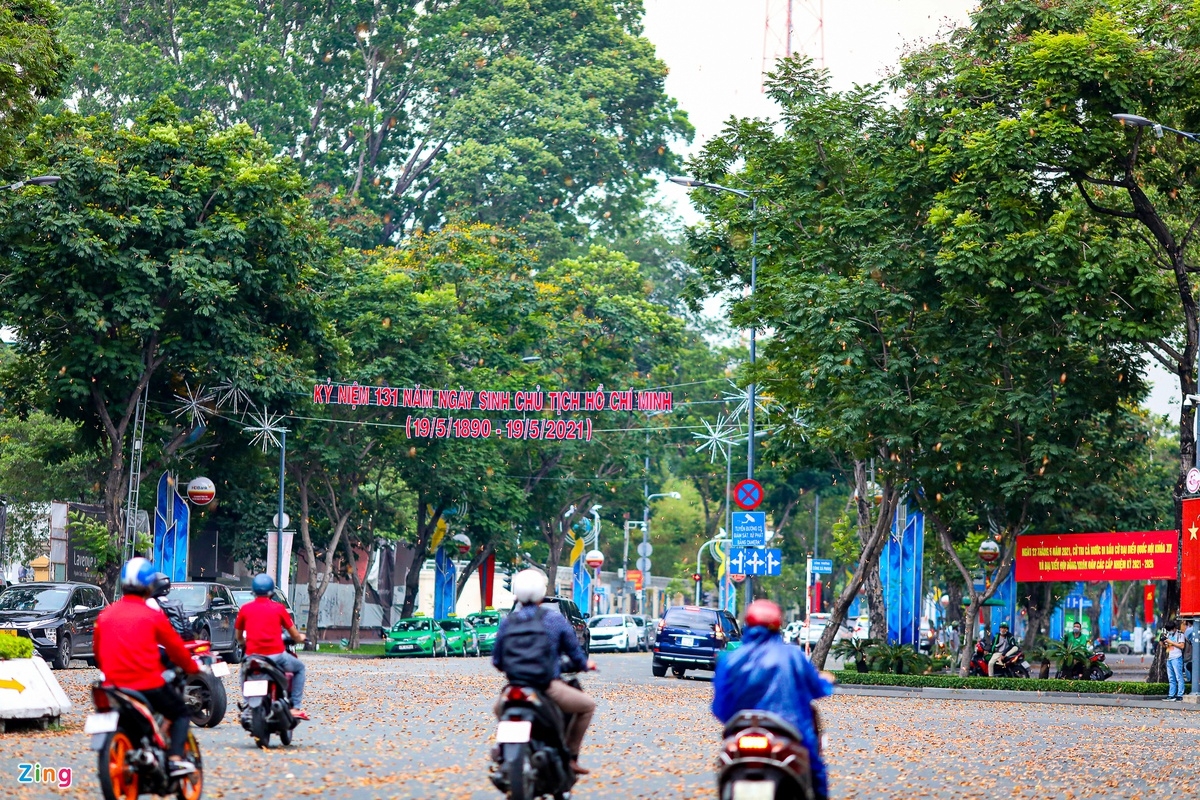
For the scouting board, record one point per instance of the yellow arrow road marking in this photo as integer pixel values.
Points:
(10, 683)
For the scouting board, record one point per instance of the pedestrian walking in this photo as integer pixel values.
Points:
(1147, 640)
(1173, 639)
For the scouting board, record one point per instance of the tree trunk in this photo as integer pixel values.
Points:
(317, 583)
(954, 611)
(877, 533)
(480, 556)
(876, 608)
(360, 590)
(1038, 612)
(426, 525)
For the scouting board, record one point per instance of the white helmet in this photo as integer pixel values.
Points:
(529, 586)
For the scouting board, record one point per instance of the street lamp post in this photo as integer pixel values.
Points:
(700, 553)
(40, 180)
(716, 187)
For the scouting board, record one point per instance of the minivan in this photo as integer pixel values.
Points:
(693, 637)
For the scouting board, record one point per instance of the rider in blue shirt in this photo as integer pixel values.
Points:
(767, 675)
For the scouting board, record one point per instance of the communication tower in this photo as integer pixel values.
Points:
(793, 26)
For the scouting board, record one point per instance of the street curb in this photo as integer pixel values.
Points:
(1002, 696)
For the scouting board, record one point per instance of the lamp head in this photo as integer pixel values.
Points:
(675, 495)
(685, 181)
(43, 180)
(1134, 120)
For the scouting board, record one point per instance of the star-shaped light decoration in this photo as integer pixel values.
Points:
(230, 395)
(265, 426)
(717, 438)
(740, 398)
(197, 403)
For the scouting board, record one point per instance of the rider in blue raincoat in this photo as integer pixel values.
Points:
(767, 675)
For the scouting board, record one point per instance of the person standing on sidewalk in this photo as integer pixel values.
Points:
(1174, 642)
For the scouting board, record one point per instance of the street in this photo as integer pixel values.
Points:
(405, 729)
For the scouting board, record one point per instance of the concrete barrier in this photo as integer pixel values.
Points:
(29, 691)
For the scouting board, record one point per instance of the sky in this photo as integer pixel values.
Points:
(714, 50)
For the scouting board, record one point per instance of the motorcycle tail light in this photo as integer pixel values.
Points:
(100, 699)
(202, 648)
(754, 742)
(517, 693)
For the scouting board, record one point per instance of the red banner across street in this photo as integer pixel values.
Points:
(1137, 555)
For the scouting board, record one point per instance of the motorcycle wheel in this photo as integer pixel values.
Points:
(1097, 674)
(258, 727)
(520, 776)
(1020, 671)
(211, 700)
(192, 786)
(118, 780)
(285, 736)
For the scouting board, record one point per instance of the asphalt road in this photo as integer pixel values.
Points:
(408, 729)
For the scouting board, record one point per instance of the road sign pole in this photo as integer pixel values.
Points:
(807, 590)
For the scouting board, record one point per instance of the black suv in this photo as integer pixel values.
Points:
(60, 618)
(692, 637)
(571, 611)
(212, 612)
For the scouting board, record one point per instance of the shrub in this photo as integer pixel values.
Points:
(15, 647)
(899, 659)
(857, 650)
(1008, 684)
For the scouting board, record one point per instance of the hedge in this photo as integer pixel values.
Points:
(15, 647)
(850, 677)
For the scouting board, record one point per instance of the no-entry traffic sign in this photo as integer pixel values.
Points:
(748, 494)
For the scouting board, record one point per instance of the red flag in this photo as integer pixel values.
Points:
(1189, 577)
(487, 580)
(1148, 603)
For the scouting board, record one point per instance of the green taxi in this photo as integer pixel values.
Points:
(486, 623)
(461, 638)
(416, 636)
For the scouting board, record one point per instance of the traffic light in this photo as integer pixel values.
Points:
(508, 582)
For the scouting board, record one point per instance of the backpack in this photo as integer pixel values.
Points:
(177, 617)
(528, 658)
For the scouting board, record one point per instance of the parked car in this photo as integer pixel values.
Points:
(212, 612)
(644, 630)
(692, 637)
(614, 632)
(243, 596)
(461, 638)
(810, 632)
(574, 616)
(790, 630)
(416, 636)
(60, 619)
(487, 623)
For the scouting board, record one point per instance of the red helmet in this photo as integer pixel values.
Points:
(764, 613)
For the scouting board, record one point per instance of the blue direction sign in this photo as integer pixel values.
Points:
(749, 529)
(823, 566)
(752, 561)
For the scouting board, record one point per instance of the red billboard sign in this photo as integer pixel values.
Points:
(1189, 578)
(1132, 556)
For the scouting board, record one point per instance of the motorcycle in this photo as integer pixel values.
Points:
(763, 757)
(204, 693)
(1013, 666)
(131, 742)
(267, 705)
(530, 756)
(1094, 670)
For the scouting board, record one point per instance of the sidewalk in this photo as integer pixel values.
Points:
(1001, 696)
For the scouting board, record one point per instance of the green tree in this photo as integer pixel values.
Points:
(547, 113)
(35, 65)
(171, 252)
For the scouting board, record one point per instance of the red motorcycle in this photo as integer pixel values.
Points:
(1094, 670)
(763, 756)
(1013, 666)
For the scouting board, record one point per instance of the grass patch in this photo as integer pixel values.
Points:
(850, 677)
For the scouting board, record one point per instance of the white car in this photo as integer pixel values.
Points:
(791, 630)
(614, 632)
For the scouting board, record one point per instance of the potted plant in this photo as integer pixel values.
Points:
(856, 649)
(1071, 659)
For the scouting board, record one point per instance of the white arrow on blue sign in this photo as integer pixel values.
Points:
(752, 561)
(824, 566)
(749, 529)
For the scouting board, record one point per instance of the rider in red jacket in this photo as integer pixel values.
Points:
(126, 642)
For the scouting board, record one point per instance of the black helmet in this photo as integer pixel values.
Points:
(160, 584)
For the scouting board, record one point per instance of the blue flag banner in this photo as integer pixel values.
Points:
(444, 589)
(900, 571)
(1106, 612)
(1056, 624)
(581, 584)
(171, 522)
(1005, 609)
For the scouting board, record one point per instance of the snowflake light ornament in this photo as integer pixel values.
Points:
(265, 426)
(195, 403)
(718, 438)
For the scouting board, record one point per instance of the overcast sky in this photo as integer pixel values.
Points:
(714, 49)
